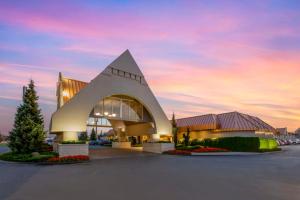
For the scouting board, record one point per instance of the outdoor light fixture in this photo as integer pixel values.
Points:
(105, 113)
(65, 94)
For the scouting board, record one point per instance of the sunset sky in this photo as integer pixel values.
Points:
(198, 57)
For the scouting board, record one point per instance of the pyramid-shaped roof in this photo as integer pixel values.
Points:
(126, 62)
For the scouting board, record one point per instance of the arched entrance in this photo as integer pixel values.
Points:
(121, 118)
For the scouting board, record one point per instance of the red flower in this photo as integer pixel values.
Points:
(178, 152)
(209, 149)
(69, 158)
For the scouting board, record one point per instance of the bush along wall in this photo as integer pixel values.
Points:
(267, 144)
(241, 144)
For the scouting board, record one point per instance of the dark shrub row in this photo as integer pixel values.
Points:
(242, 144)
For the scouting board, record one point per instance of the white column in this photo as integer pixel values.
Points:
(70, 136)
(154, 137)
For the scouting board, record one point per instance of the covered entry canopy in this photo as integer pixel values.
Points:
(120, 78)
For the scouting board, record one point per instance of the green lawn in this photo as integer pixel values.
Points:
(3, 145)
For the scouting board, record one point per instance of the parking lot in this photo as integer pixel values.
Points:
(151, 176)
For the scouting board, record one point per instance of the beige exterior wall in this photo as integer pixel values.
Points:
(209, 134)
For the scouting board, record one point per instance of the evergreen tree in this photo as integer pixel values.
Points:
(1, 137)
(83, 136)
(187, 137)
(28, 132)
(93, 136)
(174, 130)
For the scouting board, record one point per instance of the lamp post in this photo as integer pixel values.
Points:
(96, 122)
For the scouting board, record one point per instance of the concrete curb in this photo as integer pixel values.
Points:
(233, 153)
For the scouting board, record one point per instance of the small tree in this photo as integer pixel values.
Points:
(28, 132)
(186, 137)
(83, 136)
(93, 136)
(174, 130)
(1, 137)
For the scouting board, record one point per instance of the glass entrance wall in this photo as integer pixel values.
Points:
(123, 108)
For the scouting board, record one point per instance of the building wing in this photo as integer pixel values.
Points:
(232, 121)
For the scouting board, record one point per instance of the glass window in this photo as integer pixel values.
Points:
(116, 107)
(125, 109)
(127, 75)
(107, 107)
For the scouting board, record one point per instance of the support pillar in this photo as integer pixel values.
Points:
(70, 136)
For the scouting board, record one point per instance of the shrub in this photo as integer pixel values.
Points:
(163, 141)
(83, 136)
(73, 142)
(27, 157)
(195, 142)
(187, 147)
(46, 148)
(267, 143)
(242, 144)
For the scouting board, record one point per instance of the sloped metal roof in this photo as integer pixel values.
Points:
(203, 122)
(71, 87)
(232, 121)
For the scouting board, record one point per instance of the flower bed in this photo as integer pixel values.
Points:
(178, 152)
(68, 159)
(197, 150)
(209, 149)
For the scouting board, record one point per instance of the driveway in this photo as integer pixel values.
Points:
(150, 176)
(100, 152)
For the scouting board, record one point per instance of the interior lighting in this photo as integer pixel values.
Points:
(65, 94)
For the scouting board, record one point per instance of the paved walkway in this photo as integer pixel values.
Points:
(108, 152)
(260, 177)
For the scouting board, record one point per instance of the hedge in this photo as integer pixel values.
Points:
(73, 142)
(242, 144)
(10, 156)
(268, 143)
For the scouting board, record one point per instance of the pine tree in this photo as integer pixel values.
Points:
(93, 136)
(186, 137)
(28, 132)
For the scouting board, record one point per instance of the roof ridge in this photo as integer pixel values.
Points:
(243, 116)
(198, 116)
(228, 112)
